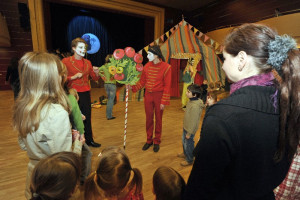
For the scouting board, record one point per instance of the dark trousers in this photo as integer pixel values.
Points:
(85, 107)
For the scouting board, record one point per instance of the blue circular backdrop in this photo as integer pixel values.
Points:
(92, 41)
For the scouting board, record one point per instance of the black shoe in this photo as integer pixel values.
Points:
(146, 146)
(93, 144)
(111, 118)
(156, 148)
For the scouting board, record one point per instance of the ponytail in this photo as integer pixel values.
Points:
(289, 106)
(137, 181)
(91, 191)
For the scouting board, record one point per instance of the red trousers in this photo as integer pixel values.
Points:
(152, 103)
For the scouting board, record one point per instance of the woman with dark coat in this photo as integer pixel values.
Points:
(248, 140)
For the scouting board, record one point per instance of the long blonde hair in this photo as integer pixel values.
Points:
(40, 86)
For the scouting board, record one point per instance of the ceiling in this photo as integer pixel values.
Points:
(184, 5)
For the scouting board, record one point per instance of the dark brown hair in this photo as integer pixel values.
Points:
(112, 175)
(55, 177)
(254, 40)
(168, 184)
(195, 90)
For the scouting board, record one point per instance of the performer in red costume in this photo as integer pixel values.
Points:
(156, 78)
(79, 70)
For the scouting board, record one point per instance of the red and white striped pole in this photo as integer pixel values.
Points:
(126, 110)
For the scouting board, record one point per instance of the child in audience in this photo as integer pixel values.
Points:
(55, 177)
(77, 124)
(41, 111)
(74, 92)
(211, 99)
(191, 121)
(168, 184)
(114, 178)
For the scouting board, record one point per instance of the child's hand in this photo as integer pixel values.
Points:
(187, 136)
(75, 135)
(82, 138)
(83, 117)
(78, 75)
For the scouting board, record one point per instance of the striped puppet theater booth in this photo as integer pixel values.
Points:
(183, 42)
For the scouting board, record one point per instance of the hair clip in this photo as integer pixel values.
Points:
(278, 50)
(100, 154)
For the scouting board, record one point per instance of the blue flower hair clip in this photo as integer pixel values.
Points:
(278, 50)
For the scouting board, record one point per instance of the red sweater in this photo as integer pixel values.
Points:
(83, 66)
(156, 78)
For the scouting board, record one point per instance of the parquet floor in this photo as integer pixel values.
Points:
(13, 161)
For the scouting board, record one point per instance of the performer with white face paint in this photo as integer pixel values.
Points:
(79, 70)
(156, 78)
(150, 56)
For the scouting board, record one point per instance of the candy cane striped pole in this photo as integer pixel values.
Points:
(126, 110)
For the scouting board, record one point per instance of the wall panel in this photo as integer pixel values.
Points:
(21, 41)
(231, 12)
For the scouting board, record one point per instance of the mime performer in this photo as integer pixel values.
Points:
(156, 78)
(79, 71)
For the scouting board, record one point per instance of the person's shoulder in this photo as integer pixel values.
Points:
(196, 104)
(56, 109)
(225, 111)
(53, 111)
(148, 64)
(67, 59)
(200, 103)
(87, 61)
(165, 64)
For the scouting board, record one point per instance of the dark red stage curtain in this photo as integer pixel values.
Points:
(175, 66)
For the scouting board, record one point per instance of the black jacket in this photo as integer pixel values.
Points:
(234, 157)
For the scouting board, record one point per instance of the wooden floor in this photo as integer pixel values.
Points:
(13, 161)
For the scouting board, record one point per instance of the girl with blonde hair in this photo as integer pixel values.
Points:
(41, 112)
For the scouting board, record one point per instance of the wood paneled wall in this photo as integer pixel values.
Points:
(231, 12)
(21, 41)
